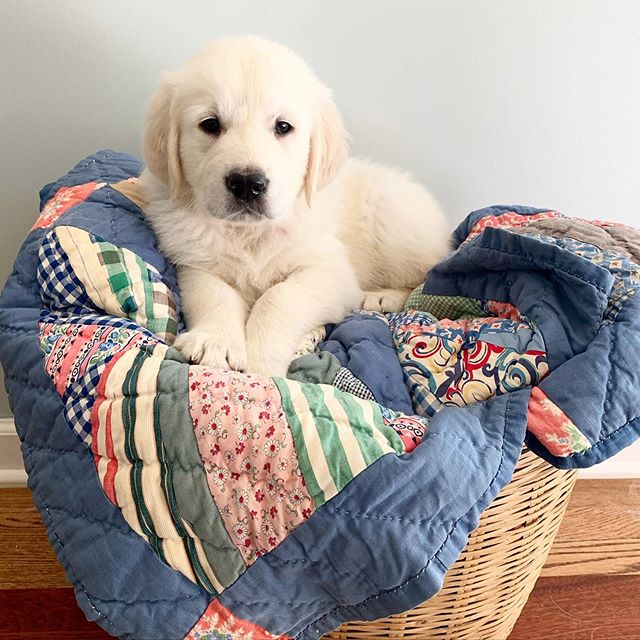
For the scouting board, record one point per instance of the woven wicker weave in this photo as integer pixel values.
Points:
(486, 589)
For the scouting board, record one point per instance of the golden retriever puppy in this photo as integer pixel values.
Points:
(273, 229)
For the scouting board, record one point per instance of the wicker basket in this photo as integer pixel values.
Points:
(486, 589)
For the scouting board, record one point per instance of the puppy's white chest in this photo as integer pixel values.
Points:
(247, 271)
(250, 261)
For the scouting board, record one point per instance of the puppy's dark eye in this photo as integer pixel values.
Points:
(283, 127)
(211, 126)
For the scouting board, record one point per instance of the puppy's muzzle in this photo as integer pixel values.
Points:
(247, 186)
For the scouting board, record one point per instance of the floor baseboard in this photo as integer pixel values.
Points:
(625, 465)
(12, 471)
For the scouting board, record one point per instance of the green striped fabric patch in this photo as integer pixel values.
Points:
(336, 435)
(143, 461)
(132, 282)
(119, 282)
(193, 500)
(129, 392)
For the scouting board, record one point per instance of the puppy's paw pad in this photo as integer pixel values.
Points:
(385, 300)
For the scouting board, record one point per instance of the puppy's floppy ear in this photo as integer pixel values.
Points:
(161, 145)
(328, 148)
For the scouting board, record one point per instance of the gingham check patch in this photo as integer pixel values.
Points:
(424, 402)
(346, 381)
(60, 289)
(77, 411)
(452, 307)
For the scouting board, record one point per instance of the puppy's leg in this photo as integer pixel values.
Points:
(215, 315)
(385, 300)
(286, 312)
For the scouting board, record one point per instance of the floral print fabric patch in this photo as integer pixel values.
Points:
(249, 457)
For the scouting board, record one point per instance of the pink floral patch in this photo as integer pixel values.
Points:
(218, 623)
(553, 428)
(63, 200)
(249, 457)
(508, 220)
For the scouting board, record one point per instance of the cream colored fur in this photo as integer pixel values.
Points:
(334, 233)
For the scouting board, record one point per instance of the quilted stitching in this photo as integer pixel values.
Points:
(308, 573)
(57, 462)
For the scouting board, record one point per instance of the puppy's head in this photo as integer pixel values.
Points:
(243, 131)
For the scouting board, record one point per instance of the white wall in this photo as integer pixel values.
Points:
(487, 101)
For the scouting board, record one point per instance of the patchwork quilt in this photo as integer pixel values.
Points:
(191, 503)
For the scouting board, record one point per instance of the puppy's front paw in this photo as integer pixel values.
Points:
(267, 368)
(385, 300)
(212, 349)
(265, 362)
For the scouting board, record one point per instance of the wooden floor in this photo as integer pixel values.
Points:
(589, 589)
(590, 586)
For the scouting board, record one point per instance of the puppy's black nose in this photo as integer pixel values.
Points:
(247, 186)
